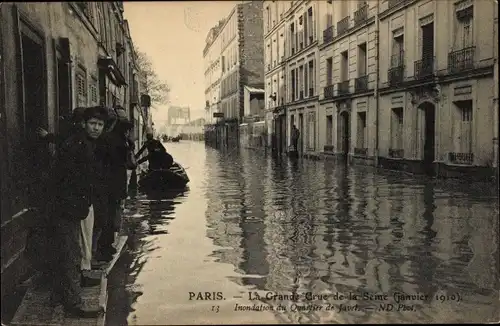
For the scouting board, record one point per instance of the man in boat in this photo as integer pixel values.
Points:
(158, 157)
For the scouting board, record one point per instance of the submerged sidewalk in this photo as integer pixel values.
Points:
(37, 309)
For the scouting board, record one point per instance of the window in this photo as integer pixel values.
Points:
(301, 82)
(464, 14)
(463, 134)
(294, 85)
(396, 129)
(362, 60)
(329, 71)
(397, 57)
(344, 66)
(361, 135)
(292, 38)
(312, 78)
(312, 27)
(81, 87)
(329, 130)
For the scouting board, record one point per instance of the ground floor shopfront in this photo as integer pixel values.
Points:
(446, 130)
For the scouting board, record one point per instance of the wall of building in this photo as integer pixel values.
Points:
(25, 163)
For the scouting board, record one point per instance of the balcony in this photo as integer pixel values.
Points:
(361, 84)
(461, 158)
(328, 34)
(461, 60)
(394, 3)
(268, 66)
(328, 91)
(424, 68)
(360, 151)
(343, 88)
(396, 153)
(343, 25)
(361, 15)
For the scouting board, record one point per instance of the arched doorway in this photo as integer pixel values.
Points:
(428, 110)
(344, 133)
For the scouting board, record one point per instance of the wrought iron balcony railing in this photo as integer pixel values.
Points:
(360, 151)
(395, 76)
(461, 158)
(396, 153)
(424, 68)
(461, 60)
(343, 25)
(328, 34)
(343, 87)
(361, 15)
(361, 84)
(328, 91)
(394, 3)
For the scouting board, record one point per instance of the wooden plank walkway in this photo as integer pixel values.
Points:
(38, 309)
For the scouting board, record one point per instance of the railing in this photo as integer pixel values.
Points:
(396, 153)
(395, 76)
(360, 151)
(343, 87)
(361, 15)
(328, 148)
(394, 3)
(424, 68)
(461, 60)
(361, 84)
(328, 34)
(343, 25)
(461, 158)
(328, 91)
(268, 66)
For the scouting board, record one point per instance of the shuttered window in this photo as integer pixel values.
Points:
(81, 87)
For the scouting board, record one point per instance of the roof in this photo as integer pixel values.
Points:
(254, 90)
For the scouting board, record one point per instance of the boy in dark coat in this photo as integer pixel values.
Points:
(77, 176)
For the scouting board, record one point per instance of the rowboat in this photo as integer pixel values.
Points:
(165, 179)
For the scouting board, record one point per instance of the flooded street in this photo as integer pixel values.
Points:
(350, 241)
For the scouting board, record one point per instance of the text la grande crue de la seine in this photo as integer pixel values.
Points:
(363, 296)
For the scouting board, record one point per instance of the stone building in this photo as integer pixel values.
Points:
(54, 57)
(234, 58)
(405, 84)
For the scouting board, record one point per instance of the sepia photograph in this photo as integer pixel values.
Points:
(249, 162)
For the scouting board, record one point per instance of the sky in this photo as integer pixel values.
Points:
(173, 35)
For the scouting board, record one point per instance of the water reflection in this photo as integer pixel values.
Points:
(296, 226)
(308, 226)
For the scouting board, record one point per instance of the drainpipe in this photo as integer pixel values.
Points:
(377, 80)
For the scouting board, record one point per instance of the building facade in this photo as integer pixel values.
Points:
(405, 84)
(54, 57)
(234, 58)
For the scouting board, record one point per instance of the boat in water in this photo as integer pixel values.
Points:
(165, 179)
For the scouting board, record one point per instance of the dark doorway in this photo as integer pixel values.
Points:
(282, 136)
(35, 114)
(429, 137)
(345, 133)
(301, 137)
(427, 50)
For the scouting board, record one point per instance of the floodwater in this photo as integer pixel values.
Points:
(355, 244)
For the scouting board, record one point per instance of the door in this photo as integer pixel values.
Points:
(301, 129)
(429, 138)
